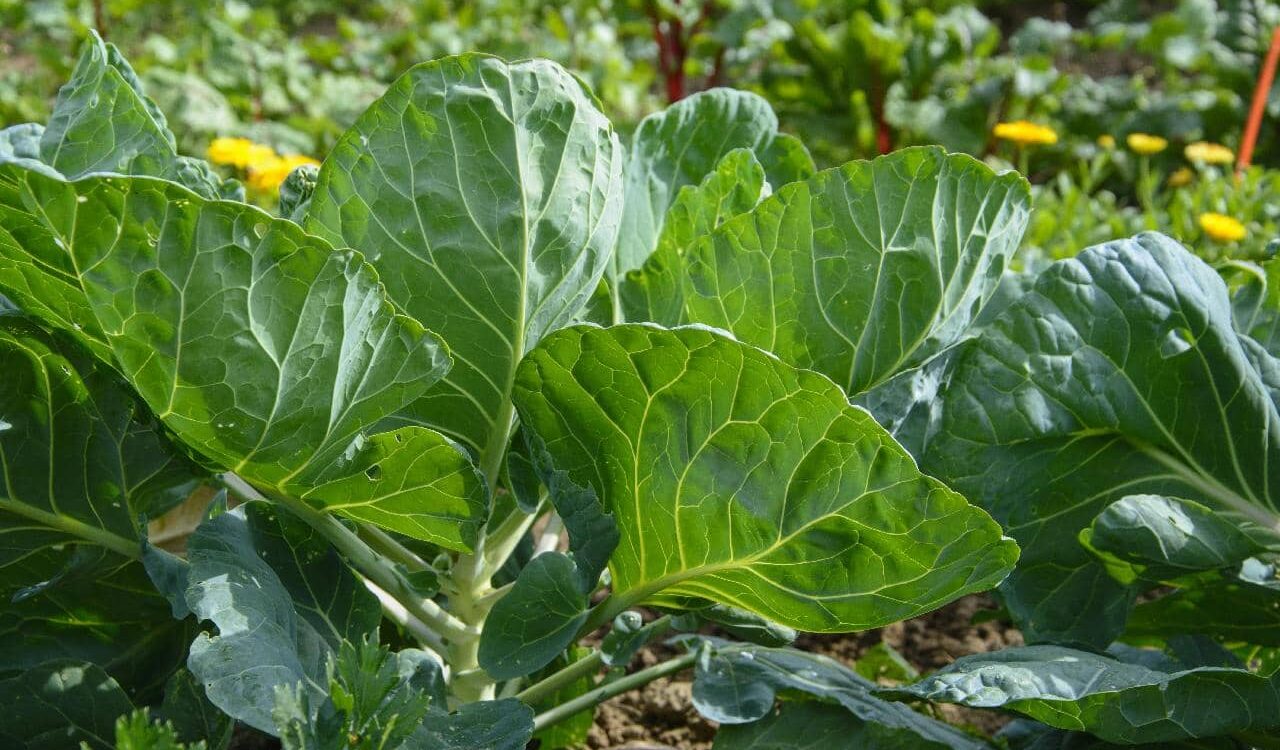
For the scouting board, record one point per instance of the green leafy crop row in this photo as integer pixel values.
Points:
(752, 395)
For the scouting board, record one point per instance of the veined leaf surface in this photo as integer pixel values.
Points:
(261, 347)
(681, 145)
(488, 197)
(863, 270)
(1119, 373)
(736, 478)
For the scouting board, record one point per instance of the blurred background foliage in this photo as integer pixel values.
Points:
(852, 78)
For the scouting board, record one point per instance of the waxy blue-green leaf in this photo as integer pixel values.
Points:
(1119, 373)
(488, 196)
(737, 684)
(21, 141)
(261, 347)
(1116, 701)
(81, 460)
(281, 601)
(655, 291)
(734, 477)
(864, 270)
(1166, 536)
(682, 145)
(60, 705)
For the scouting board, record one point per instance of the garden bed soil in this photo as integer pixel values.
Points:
(661, 716)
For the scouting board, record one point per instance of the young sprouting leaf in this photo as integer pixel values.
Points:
(372, 703)
(737, 684)
(864, 270)
(655, 291)
(281, 600)
(1116, 701)
(734, 477)
(296, 192)
(170, 283)
(103, 122)
(487, 194)
(138, 731)
(683, 144)
(1167, 537)
(1119, 373)
(62, 704)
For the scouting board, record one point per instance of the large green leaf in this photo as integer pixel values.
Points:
(1116, 701)
(862, 271)
(259, 346)
(811, 725)
(1230, 607)
(681, 145)
(60, 705)
(281, 601)
(736, 478)
(1166, 537)
(21, 141)
(103, 122)
(737, 684)
(81, 461)
(488, 197)
(655, 291)
(1119, 373)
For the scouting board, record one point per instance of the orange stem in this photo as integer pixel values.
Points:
(1259, 105)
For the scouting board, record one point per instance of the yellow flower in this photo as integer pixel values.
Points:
(1222, 228)
(238, 152)
(1025, 133)
(267, 175)
(1107, 141)
(1202, 152)
(1181, 178)
(1146, 144)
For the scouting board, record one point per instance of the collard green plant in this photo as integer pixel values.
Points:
(391, 385)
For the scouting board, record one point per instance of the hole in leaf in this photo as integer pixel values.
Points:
(1175, 342)
(374, 473)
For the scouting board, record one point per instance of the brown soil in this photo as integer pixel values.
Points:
(661, 717)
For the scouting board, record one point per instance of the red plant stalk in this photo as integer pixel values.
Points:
(1259, 105)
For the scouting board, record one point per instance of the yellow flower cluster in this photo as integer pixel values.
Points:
(1180, 178)
(1107, 142)
(1026, 133)
(265, 168)
(1146, 144)
(1222, 228)
(1202, 152)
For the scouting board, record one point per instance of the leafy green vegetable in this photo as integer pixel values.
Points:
(736, 478)
(487, 195)
(682, 145)
(655, 291)
(137, 731)
(319, 354)
(1119, 373)
(862, 271)
(1116, 701)
(281, 600)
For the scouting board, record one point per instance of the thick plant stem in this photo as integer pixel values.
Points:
(385, 544)
(378, 569)
(608, 690)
